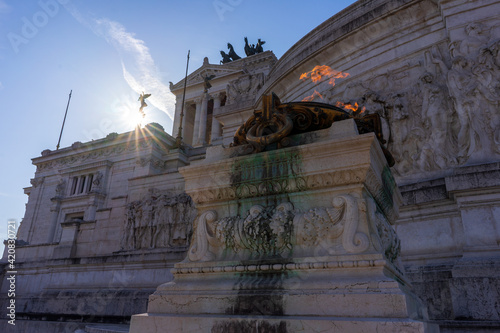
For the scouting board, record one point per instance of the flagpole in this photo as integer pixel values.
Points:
(178, 140)
(64, 120)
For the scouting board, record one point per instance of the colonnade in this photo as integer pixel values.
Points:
(199, 132)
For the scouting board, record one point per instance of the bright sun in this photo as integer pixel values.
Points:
(135, 119)
(126, 109)
(131, 117)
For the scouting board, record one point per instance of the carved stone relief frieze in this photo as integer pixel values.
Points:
(280, 231)
(87, 156)
(449, 115)
(160, 220)
(243, 87)
(153, 161)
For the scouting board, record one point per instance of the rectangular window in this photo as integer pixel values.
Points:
(81, 186)
(90, 178)
(73, 185)
(74, 217)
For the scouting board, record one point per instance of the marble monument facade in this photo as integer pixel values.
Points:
(107, 220)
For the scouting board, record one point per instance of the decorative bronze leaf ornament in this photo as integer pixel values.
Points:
(271, 127)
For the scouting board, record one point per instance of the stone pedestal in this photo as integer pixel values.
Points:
(298, 239)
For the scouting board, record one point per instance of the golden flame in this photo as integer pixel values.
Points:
(312, 97)
(319, 73)
(354, 108)
(322, 72)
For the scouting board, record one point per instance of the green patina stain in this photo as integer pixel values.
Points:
(270, 177)
(388, 187)
(269, 173)
(265, 235)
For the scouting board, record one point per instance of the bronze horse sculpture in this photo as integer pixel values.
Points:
(232, 54)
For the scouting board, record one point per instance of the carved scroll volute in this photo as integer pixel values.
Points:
(352, 240)
(202, 237)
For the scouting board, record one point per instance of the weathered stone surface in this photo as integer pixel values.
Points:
(249, 324)
(450, 247)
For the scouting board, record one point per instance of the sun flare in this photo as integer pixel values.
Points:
(128, 113)
(135, 119)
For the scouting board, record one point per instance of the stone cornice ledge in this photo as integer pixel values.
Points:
(354, 161)
(372, 260)
(465, 179)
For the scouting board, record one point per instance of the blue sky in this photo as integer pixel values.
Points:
(107, 52)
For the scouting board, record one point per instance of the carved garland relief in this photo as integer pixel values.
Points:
(277, 232)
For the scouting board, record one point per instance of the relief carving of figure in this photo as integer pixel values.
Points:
(487, 73)
(158, 221)
(473, 85)
(143, 228)
(477, 36)
(61, 186)
(436, 117)
(97, 181)
(461, 86)
(373, 103)
(451, 115)
(134, 212)
(405, 137)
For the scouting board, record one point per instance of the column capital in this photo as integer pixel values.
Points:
(218, 95)
(198, 99)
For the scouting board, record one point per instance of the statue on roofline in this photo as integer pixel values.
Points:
(258, 48)
(225, 57)
(207, 84)
(232, 53)
(142, 99)
(249, 50)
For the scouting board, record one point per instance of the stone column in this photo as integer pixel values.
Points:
(203, 120)
(33, 209)
(215, 122)
(197, 123)
(177, 117)
(184, 121)
(54, 208)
